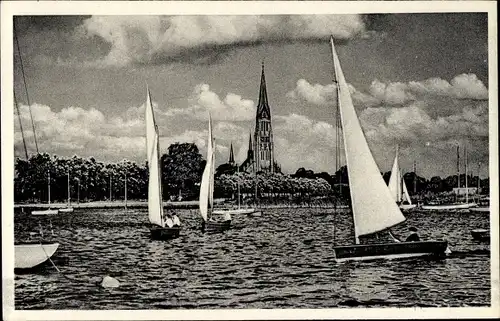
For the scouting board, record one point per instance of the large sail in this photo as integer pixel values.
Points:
(406, 196)
(373, 207)
(207, 180)
(155, 202)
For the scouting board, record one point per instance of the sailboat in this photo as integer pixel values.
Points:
(397, 186)
(211, 221)
(48, 211)
(457, 205)
(373, 207)
(239, 209)
(155, 203)
(28, 255)
(68, 208)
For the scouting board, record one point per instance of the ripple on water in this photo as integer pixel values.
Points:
(282, 259)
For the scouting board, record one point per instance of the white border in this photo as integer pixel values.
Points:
(10, 8)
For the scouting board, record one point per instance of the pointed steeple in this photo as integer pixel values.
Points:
(231, 155)
(250, 142)
(263, 110)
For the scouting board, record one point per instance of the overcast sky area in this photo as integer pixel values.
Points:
(419, 81)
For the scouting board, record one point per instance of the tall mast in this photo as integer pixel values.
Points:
(466, 174)
(238, 182)
(458, 171)
(125, 189)
(414, 177)
(25, 87)
(48, 176)
(69, 199)
(21, 126)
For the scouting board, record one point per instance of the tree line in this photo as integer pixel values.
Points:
(182, 168)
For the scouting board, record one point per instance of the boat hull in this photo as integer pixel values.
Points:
(28, 256)
(66, 210)
(386, 251)
(448, 207)
(480, 235)
(164, 233)
(235, 211)
(215, 227)
(407, 207)
(45, 212)
(480, 209)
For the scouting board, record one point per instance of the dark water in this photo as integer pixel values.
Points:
(282, 259)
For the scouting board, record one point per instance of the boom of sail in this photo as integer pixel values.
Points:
(155, 202)
(373, 206)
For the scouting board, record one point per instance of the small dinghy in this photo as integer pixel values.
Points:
(211, 221)
(159, 230)
(28, 256)
(480, 234)
(373, 207)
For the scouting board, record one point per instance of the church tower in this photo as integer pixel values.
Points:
(231, 156)
(263, 137)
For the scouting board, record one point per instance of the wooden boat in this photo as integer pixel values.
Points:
(455, 206)
(158, 228)
(48, 211)
(397, 186)
(480, 234)
(68, 208)
(373, 207)
(211, 221)
(31, 255)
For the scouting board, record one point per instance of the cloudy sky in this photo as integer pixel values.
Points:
(417, 80)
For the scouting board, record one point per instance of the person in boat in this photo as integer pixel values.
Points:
(168, 220)
(413, 237)
(176, 220)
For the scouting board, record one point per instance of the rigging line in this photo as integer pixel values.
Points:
(25, 87)
(21, 126)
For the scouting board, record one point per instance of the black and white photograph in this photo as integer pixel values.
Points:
(210, 159)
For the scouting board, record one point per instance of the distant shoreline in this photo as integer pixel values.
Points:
(144, 204)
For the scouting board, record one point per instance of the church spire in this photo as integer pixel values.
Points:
(250, 142)
(231, 155)
(263, 110)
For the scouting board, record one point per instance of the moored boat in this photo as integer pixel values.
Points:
(373, 207)
(480, 234)
(68, 208)
(31, 255)
(48, 211)
(159, 229)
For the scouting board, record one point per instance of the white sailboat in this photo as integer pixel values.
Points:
(373, 207)
(68, 208)
(397, 186)
(457, 205)
(211, 221)
(239, 209)
(28, 255)
(158, 228)
(48, 211)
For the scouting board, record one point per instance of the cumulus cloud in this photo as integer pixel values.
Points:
(303, 142)
(202, 101)
(464, 86)
(158, 39)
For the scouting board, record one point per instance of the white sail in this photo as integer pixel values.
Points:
(406, 196)
(373, 207)
(155, 202)
(397, 184)
(395, 180)
(207, 180)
